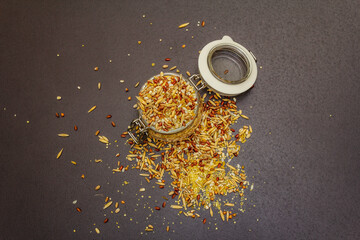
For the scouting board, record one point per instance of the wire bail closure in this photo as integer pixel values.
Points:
(194, 78)
(139, 128)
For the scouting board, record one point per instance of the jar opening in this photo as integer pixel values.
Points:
(229, 64)
(180, 128)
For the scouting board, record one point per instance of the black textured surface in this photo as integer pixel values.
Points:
(303, 157)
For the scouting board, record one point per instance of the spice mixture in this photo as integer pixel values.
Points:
(167, 102)
(198, 165)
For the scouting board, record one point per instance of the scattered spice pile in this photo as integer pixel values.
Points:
(198, 165)
(167, 102)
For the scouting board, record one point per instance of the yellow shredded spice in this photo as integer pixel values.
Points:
(197, 164)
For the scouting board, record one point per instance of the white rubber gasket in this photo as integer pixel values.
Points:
(217, 85)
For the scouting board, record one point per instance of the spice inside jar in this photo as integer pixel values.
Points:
(167, 102)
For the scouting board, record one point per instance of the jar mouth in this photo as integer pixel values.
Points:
(179, 129)
(229, 64)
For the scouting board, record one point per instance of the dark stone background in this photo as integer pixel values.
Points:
(303, 157)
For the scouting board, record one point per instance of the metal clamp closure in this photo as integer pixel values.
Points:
(137, 130)
(199, 85)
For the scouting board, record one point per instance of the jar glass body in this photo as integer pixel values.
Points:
(181, 132)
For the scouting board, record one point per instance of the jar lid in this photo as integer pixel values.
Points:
(227, 67)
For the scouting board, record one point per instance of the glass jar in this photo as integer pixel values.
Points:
(141, 125)
(225, 67)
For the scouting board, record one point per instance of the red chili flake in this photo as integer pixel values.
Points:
(108, 116)
(113, 124)
(203, 24)
(78, 209)
(204, 220)
(164, 204)
(106, 220)
(157, 208)
(57, 115)
(121, 167)
(233, 130)
(161, 186)
(75, 128)
(167, 59)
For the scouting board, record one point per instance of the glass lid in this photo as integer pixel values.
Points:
(227, 67)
